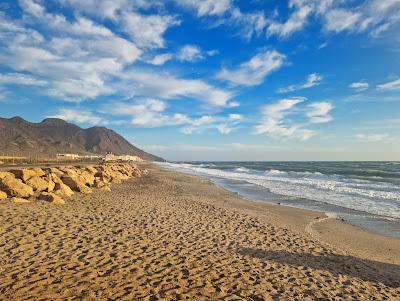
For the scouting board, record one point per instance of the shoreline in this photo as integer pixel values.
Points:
(169, 236)
(346, 237)
(369, 222)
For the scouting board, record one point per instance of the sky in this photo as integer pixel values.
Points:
(211, 80)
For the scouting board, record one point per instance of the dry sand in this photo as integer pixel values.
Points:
(169, 236)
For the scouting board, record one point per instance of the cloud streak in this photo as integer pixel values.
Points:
(254, 71)
(314, 79)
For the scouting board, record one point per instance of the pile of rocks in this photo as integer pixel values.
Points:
(56, 184)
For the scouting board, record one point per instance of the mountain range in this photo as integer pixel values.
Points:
(53, 135)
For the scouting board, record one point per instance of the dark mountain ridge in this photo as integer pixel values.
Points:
(53, 135)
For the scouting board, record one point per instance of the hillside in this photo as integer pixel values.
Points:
(52, 136)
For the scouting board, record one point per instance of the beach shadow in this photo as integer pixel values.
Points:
(368, 270)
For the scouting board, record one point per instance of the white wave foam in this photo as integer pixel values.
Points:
(242, 169)
(373, 197)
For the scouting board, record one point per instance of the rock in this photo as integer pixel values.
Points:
(50, 185)
(6, 174)
(63, 190)
(23, 174)
(87, 178)
(86, 190)
(91, 169)
(56, 171)
(3, 195)
(72, 182)
(77, 184)
(39, 172)
(15, 188)
(105, 189)
(98, 183)
(19, 200)
(70, 171)
(51, 197)
(59, 187)
(38, 184)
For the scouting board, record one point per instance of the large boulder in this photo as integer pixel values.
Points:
(56, 171)
(38, 172)
(72, 182)
(59, 187)
(87, 178)
(91, 169)
(23, 174)
(6, 174)
(76, 184)
(38, 184)
(51, 197)
(3, 195)
(15, 188)
(50, 184)
(69, 170)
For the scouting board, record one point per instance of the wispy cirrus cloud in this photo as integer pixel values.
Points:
(254, 71)
(371, 137)
(313, 79)
(390, 86)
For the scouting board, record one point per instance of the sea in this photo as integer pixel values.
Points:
(365, 194)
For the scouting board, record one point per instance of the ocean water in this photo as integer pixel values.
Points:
(366, 194)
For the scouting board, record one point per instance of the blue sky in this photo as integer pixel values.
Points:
(211, 80)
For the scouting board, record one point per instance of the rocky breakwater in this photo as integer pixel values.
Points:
(55, 184)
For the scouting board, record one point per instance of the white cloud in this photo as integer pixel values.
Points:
(190, 53)
(273, 122)
(373, 16)
(76, 58)
(151, 113)
(160, 59)
(371, 137)
(147, 113)
(167, 86)
(341, 19)
(249, 24)
(79, 116)
(319, 112)
(359, 86)
(253, 72)
(295, 22)
(224, 129)
(207, 7)
(147, 30)
(312, 80)
(21, 79)
(389, 86)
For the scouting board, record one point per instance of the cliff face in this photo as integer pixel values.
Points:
(52, 136)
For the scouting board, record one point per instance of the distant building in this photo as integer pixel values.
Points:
(67, 156)
(110, 157)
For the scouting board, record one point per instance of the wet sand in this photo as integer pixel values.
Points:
(169, 236)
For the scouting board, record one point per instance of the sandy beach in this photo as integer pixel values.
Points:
(170, 236)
